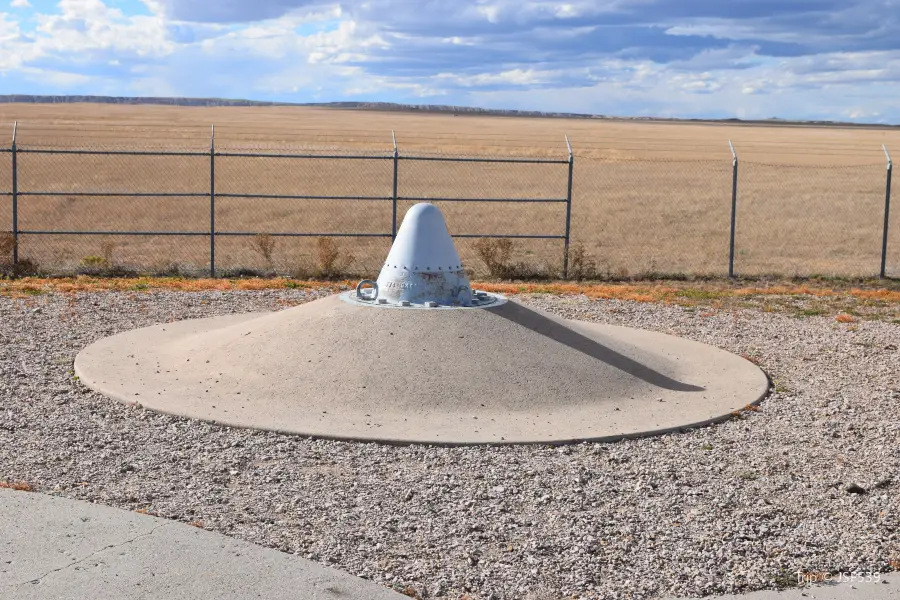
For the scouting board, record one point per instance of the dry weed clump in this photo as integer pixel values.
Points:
(107, 248)
(103, 264)
(410, 592)
(19, 486)
(331, 259)
(264, 243)
(581, 265)
(845, 318)
(7, 246)
(497, 254)
(24, 267)
(752, 359)
(881, 295)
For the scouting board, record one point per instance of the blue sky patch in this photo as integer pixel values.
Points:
(692, 58)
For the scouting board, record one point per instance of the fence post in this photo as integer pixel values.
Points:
(734, 183)
(15, 197)
(394, 196)
(887, 212)
(212, 203)
(568, 210)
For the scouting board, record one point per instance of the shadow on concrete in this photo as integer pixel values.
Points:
(538, 323)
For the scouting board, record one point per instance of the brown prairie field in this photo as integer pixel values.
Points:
(648, 197)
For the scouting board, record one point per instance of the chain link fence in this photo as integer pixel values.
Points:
(638, 218)
(233, 211)
(892, 232)
(509, 215)
(815, 221)
(92, 209)
(5, 194)
(272, 210)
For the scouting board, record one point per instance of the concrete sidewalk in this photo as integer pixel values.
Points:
(71, 550)
(66, 549)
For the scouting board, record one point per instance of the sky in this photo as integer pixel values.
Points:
(792, 59)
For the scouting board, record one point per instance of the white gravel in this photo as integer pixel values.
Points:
(721, 510)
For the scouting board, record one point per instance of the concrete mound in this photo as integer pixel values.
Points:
(506, 373)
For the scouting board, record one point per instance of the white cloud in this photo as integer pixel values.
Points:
(15, 49)
(490, 13)
(861, 113)
(56, 78)
(750, 89)
(278, 40)
(20, 4)
(565, 11)
(535, 54)
(155, 6)
(90, 26)
(516, 77)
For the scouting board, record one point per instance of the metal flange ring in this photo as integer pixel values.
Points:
(367, 298)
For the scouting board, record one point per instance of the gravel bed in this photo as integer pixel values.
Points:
(726, 509)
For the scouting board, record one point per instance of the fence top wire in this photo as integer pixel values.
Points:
(345, 140)
(474, 158)
(112, 151)
(655, 160)
(271, 151)
(132, 146)
(816, 166)
(534, 153)
(271, 147)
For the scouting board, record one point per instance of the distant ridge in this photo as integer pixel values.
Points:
(428, 108)
(383, 106)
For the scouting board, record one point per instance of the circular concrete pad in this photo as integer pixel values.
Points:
(504, 374)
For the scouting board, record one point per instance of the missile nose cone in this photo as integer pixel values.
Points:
(423, 264)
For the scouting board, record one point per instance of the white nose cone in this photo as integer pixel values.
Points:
(423, 265)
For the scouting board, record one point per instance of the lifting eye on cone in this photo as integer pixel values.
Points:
(369, 294)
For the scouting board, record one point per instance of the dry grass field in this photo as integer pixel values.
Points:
(648, 197)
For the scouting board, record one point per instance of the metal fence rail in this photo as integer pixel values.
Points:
(391, 197)
(887, 212)
(678, 217)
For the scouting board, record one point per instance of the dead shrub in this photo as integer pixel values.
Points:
(264, 243)
(581, 265)
(331, 260)
(7, 246)
(304, 269)
(106, 250)
(23, 268)
(103, 265)
(496, 255)
(621, 273)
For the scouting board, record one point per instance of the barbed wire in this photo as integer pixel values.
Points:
(249, 136)
(130, 128)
